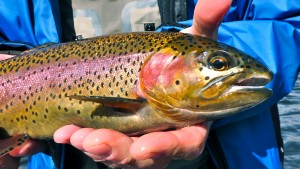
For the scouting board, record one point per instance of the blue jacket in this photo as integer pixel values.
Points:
(267, 30)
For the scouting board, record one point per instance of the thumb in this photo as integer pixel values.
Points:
(207, 17)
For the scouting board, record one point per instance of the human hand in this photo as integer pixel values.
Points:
(157, 149)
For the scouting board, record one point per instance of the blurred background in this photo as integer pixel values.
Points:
(97, 17)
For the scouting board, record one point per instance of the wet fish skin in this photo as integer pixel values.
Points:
(178, 80)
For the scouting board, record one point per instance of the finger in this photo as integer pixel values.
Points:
(112, 148)
(78, 137)
(191, 141)
(9, 162)
(154, 145)
(108, 145)
(207, 17)
(186, 143)
(30, 147)
(63, 134)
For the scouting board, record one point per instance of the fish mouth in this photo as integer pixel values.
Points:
(242, 94)
(254, 84)
(253, 81)
(237, 82)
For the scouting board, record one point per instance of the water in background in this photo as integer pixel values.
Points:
(289, 109)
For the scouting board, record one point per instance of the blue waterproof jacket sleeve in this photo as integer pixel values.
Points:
(33, 21)
(269, 31)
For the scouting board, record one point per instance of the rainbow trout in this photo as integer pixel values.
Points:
(133, 83)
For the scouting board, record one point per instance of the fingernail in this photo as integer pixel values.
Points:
(23, 150)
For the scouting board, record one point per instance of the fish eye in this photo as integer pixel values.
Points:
(220, 60)
(219, 63)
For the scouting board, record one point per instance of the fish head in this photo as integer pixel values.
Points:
(197, 78)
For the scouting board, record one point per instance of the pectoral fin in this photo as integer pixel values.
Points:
(114, 102)
(12, 143)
